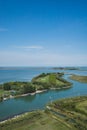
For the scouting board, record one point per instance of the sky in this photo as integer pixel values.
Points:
(43, 32)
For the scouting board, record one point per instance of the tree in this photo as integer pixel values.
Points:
(1, 98)
(7, 86)
(28, 88)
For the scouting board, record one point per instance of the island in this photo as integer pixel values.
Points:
(79, 78)
(40, 83)
(66, 68)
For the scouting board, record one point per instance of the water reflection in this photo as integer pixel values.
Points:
(28, 98)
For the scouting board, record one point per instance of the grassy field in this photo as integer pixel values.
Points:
(38, 120)
(79, 78)
(46, 80)
(4, 92)
(65, 114)
(82, 107)
(1, 91)
(51, 80)
(72, 110)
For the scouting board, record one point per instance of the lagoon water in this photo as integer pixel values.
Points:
(15, 106)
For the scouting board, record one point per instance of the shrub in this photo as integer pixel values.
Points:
(7, 86)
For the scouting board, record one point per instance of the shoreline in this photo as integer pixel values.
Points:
(23, 95)
(14, 117)
(60, 88)
(37, 92)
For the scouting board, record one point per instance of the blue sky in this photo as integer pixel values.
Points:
(43, 32)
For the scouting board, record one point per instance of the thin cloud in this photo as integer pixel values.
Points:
(3, 30)
(30, 47)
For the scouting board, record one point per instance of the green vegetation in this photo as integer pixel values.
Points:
(41, 82)
(50, 80)
(82, 107)
(79, 78)
(66, 68)
(65, 114)
(15, 88)
(1, 98)
(3, 93)
(38, 120)
(72, 111)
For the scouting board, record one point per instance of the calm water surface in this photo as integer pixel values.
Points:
(16, 106)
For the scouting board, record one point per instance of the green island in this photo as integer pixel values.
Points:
(64, 114)
(79, 78)
(40, 83)
(66, 68)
